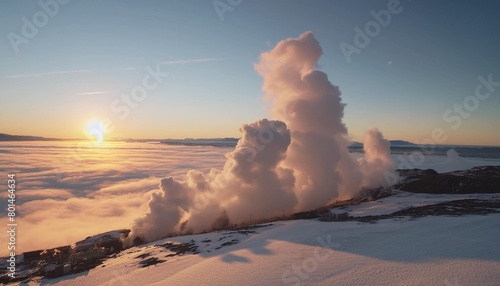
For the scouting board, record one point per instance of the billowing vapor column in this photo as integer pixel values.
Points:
(297, 162)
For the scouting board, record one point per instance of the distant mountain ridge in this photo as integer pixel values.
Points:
(215, 142)
(402, 143)
(8, 137)
(394, 143)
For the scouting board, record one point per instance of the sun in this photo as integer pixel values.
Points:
(95, 128)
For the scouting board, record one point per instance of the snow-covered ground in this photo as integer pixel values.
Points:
(402, 200)
(433, 250)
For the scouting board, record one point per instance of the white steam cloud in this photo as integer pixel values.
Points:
(297, 162)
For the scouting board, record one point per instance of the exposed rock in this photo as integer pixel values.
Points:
(475, 180)
(111, 240)
(373, 194)
(151, 261)
(411, 174)
(60, 261)
(231, 242)
(181, 248)
(335, 216)
(309, 214)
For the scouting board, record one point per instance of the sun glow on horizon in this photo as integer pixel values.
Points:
(95, 128)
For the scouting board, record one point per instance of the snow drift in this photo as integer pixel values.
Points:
(296, 162)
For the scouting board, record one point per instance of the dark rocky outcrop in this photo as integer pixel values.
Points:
(180, 248)
(60, 261)
(475, 180)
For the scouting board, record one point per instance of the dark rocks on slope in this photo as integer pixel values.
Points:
(60, 261)
(475, 180)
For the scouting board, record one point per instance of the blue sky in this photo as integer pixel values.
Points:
(423, 62)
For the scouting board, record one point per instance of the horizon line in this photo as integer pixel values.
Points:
(42, 138)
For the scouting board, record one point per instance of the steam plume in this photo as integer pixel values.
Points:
(297, 162)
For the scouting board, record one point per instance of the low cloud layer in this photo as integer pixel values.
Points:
(61, 199)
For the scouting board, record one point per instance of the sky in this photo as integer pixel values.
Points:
(427, 73)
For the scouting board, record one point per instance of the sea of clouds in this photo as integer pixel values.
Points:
(67, 191)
